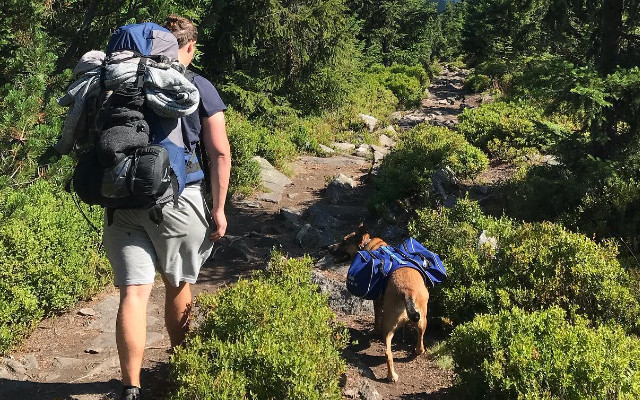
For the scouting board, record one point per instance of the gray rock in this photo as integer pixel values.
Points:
(327, 237)
(444, 182)
(87, 312)
(153, 337)
(322, 220)
(339, 298)
(386, 141)
(397, 115)
(369, 121)
(326, 149)
(4, 373)
(290, 215)
(363, 150)
(242, 249)
(343, 146)
(368, 391)
(308, 236)
(66, 362)
(272, 179)
(325, 262)
(337, 211)
(350, 393)
(108, 309)
(272, 197)
(340, 188)
(30, 362)
(293, 195)
(382, 150)
(250, 204)
(15, 367)
(335, 161)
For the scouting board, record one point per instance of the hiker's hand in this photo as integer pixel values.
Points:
(220, 225)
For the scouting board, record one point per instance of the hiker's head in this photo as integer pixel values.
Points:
(187, 35)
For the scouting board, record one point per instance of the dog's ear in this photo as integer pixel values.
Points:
(362, 229)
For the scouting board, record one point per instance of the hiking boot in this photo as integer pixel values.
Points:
(132, 393)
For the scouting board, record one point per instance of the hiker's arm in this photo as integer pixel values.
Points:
(214, 136)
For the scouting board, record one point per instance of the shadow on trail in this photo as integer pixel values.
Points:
(15, 390)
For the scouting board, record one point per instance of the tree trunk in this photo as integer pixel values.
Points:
(610, 35)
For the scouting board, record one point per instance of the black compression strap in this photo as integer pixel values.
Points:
(111, 213)
(142, 66)
(174, 188)
(155, 214)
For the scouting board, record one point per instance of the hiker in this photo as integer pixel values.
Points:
(177, 246)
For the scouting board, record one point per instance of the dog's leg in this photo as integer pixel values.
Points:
(391, 372)
(377, 311)
(422, 327)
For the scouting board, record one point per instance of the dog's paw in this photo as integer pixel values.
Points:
(419, 351)
(392, 377)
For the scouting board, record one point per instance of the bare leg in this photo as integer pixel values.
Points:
(177, 309)
(131, 331)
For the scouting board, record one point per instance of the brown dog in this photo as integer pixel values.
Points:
(404, 300)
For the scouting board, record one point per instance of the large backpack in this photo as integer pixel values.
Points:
(370, 270)
(136, 159)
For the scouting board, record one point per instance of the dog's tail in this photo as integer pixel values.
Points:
(413, 314)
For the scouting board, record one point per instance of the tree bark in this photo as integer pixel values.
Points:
(611, 33)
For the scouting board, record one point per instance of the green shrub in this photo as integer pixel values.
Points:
(244, 138)
(251, 342)
(532, 266)
(516, 124)
(407, 170)
(49, 257)
(517, 355)
(406, 82)
(477, 83)
(369, 96)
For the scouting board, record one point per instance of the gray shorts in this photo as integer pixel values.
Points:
(177, 248)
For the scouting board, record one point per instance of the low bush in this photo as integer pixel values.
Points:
(49, 257)
(406, 171)
(477, 83)
(244, 138)
(251, 342)
(495, 264)
(539, 355)
(515, 124)
(406, 82)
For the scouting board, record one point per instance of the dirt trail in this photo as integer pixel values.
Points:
(73, 356)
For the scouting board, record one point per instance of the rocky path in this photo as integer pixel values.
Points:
(73, 356)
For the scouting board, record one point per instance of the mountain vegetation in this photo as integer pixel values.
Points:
(542, 299)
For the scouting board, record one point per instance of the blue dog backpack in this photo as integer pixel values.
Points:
(370, 270)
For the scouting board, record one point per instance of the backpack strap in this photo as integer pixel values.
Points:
(142, 67)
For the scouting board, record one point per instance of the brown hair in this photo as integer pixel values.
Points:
(182, 28)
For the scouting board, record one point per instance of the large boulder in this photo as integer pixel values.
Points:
(369, 121)
(340, 188)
